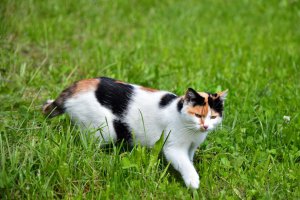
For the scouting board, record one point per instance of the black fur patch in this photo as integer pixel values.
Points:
(216, 104)
(58, 108)
(122, 131)
(114, 95)
(180, 105)
(166, 100)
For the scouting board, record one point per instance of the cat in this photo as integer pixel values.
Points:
(137, 114)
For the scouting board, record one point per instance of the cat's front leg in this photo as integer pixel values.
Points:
(180, 160)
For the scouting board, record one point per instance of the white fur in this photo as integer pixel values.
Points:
(85, 110)
(148, 121)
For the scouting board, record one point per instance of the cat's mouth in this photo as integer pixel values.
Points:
(203, 129)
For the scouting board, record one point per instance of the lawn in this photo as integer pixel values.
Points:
(250, 47)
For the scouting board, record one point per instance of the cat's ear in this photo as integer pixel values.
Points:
(223, 94)
(190, 95)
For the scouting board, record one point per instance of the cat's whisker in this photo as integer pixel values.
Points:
(188, 130)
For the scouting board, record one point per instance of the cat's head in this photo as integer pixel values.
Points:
(201, 110)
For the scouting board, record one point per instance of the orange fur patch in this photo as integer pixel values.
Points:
(86, 85)
(120, 82)
(200, 110)
(148, 89)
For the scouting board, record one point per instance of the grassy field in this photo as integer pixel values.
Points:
(250, 47)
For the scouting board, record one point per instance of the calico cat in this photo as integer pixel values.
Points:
(140, 115)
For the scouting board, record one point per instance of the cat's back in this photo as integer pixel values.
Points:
(120, 97)
(114, 96)
(115, 106)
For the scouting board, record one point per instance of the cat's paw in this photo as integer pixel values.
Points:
(192, 181)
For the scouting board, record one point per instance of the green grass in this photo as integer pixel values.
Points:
(250, 47)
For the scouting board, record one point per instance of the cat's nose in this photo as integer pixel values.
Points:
(205, 127)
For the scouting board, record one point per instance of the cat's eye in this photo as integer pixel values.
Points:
(199, 116)
(213, 117)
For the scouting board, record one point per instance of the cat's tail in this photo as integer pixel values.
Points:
(56, 107)
(51, 108)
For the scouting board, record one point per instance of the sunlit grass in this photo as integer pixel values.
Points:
(251, 48)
